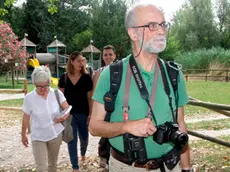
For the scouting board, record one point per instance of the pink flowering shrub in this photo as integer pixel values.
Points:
(10, 47)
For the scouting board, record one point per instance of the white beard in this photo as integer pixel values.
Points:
(154, 45)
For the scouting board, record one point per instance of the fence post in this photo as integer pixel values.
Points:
(227, 75)
(25, 86)
(186, 75)
(206, 75)
(25, 92)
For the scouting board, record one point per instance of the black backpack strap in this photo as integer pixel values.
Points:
(173, 73)
(115, 82)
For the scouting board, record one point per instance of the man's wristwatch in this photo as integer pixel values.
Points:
(190, 170)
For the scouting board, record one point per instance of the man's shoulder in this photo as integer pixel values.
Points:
(106, 71)
(171, 64)
(124, 62)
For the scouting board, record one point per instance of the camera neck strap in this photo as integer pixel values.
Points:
(134, 70)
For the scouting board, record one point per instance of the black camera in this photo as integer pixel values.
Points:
(168, 132)
(133, 144)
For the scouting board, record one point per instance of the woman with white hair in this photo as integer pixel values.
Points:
(41, 108)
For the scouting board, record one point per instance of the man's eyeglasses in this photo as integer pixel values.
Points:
(110, 54)
(42, 86)
(154, 26)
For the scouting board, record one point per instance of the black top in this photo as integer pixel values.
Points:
(76, 95)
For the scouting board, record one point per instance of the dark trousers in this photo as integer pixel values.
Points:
(80, 128)
(104, 148)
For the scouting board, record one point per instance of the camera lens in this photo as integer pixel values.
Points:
(183, 139)
(178, 138)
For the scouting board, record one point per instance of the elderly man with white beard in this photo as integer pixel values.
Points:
(145, 116)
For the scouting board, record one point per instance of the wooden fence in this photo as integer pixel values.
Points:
(207, 73)
(13, 91)
(220, 108)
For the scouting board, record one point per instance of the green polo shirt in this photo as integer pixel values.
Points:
(139, 107)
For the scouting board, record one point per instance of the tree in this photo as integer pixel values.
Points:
(223, 15)
(4, 4)
(10, 47)
(108, 26)
(81, 40)
(16, 18)
(172, 49)
(42, 27)
(194, 24)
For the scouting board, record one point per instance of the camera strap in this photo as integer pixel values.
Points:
(141, 86)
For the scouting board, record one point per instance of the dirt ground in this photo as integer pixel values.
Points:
(14, 156)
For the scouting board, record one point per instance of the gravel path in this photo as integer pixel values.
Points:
(13, 153)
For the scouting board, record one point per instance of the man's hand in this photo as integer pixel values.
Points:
(25, 140)
(140, 128)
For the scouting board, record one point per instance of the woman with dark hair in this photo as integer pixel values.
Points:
(77, 87)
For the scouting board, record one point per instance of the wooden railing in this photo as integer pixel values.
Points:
(220, 108)
(205, 73)
(13, 91)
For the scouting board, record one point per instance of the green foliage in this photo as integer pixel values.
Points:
(108, 26)
(82, 39)
(4, 5)
(223, 15)
(16, 18)
(201, 58)
(52, 7)
(8, 3)
(172, 49)
(194, 26)
(41, 26)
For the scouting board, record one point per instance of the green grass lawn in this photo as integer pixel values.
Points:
(12, 103)
(211, 91)
(8, 84)
(215, 92)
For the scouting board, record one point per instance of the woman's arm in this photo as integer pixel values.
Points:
(89, 96)
(25, 125)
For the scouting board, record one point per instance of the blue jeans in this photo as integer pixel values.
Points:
(79, 128)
